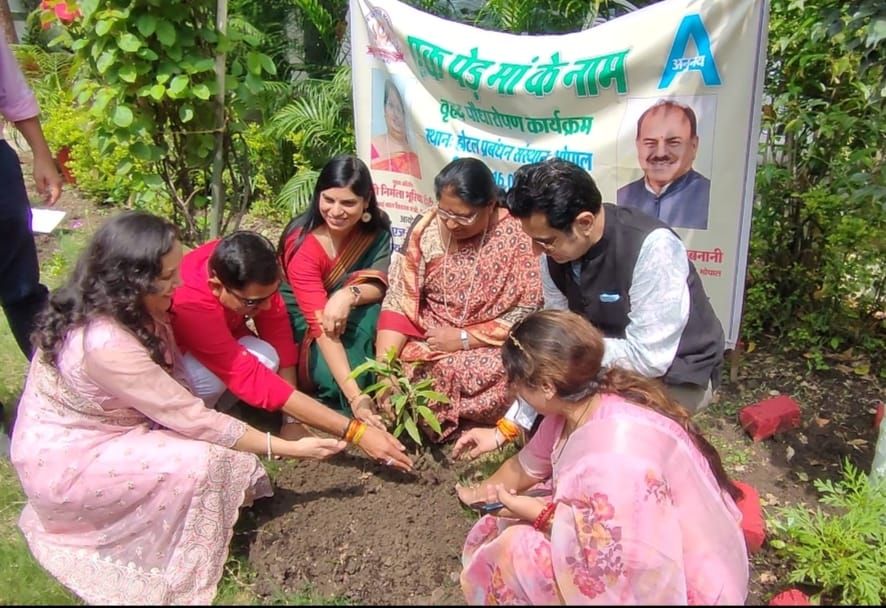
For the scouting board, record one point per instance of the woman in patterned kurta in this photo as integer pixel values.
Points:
(133, 485)
(640, 509)
(465, 274)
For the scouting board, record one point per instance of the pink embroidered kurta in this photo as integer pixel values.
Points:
(639, 519)
(133, 488)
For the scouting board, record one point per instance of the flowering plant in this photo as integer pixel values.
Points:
(65, 11)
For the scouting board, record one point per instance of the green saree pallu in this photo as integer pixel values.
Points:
(365, 258)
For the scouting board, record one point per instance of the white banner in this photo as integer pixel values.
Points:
(428, 90)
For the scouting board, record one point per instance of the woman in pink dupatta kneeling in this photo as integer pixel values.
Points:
(465, 274)
(133, 484)
(640, 510)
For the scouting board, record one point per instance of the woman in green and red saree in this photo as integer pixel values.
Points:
(335, 256)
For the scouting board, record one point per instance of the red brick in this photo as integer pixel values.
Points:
(770, 416)
(752, 523)
(791, 597)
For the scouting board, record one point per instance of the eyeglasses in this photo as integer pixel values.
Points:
(463, 220)
(546, 245)
(253, 302)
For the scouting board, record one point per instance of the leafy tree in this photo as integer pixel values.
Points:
(816, 274)
(149, 81)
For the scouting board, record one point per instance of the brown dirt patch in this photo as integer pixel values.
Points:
(837, 405)
(351, 529)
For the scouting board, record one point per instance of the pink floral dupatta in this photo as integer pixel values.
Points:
(640, 519)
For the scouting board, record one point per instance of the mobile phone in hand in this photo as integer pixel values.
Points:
(487, 508)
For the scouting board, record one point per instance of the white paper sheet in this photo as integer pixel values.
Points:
(45, 220)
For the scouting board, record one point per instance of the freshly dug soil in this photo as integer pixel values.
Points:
(352, 529)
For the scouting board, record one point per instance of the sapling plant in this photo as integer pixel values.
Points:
(409, 401)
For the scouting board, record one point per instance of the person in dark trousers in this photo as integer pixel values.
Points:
(21, 293)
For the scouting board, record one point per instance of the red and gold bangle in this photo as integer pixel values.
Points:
(508, 429)
(544, 517)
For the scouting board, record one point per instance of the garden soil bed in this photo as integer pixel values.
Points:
(348, 529)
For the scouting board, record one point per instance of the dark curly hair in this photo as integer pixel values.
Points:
(111, 278)
(557, 188)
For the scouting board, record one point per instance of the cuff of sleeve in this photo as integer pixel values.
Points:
(278, 394)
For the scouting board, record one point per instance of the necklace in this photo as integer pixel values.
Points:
(464, 313)
(567, 433)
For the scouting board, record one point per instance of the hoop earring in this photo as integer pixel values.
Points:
(366, 217)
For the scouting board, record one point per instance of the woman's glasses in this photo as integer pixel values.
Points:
(252, 302)
(463, 220)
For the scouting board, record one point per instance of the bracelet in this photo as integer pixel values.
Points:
(544, 517)
(465, 340)
(509, 430)
(349, 430)
(359, 434)
(357, 397)
(498, 442)
(355, 431)
(270, 453)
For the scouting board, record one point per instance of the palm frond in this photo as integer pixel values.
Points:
(245, 28)
(296, 193)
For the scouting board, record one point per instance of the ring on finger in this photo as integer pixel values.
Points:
(389, 461)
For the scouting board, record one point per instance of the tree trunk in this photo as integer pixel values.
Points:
(217, 210)
(6, 23)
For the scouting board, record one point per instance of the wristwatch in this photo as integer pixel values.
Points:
(465, 344)
(356, 291)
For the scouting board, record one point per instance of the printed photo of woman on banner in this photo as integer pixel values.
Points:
(390, 149)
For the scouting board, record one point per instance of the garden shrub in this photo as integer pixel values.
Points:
(842, 552)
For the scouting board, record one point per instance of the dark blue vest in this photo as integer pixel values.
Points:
(602, 295)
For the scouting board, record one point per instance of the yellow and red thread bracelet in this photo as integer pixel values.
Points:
(508, 429)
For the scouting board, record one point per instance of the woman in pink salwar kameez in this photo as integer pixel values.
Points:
(640, 510)
(133, 485)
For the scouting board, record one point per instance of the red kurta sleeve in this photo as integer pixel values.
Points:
(274, 328)
(305, 272)
(203, 331)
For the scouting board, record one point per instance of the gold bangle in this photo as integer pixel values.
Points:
(359, 434)
(349, 432)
